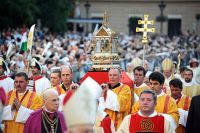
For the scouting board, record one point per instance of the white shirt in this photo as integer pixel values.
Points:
(41, 85)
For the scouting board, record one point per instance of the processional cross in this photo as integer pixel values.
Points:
(145, 30)
(105, 19)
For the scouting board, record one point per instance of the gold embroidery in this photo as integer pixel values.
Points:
(146, 124)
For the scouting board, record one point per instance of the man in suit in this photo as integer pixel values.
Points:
(193, 120)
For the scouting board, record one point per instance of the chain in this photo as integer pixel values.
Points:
(45, 117)
(51, 122)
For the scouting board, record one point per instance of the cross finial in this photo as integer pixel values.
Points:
(105, 19)
(145, 29)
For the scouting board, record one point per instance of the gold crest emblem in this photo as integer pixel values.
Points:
(146, 124)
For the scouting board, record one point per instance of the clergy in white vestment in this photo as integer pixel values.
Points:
(190, 87)
(195, 67)
(167, 67)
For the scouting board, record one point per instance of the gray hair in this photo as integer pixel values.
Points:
(116, 68)
(67, 67)
(56, 70)
(46, 93)
(149, 92)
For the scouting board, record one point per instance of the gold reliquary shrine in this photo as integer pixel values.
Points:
(105, 42)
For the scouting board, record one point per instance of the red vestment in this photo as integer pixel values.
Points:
(146, 124)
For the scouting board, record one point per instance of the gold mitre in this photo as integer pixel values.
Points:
(1, 61)
(105, 42)
(167, 64)
(81, 107)
(136, 62)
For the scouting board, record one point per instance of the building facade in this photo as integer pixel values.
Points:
(123, 14)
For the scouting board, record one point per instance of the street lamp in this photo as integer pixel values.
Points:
(87, 6)
(161, 18)
(162, 6)
(197, 16)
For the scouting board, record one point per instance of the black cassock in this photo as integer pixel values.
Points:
(193, 120)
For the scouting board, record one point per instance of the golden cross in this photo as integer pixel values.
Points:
(105, 19)
(145, 29)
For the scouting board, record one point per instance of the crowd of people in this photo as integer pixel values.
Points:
(76, 49)
(44, 83)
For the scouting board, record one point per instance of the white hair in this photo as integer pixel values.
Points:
(48, 92)
(129, 64)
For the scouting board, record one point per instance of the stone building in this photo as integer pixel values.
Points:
(125, 13)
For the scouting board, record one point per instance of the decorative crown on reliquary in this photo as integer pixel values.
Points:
(105, 43)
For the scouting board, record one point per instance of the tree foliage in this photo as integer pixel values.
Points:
(54, 13)
(51, 13)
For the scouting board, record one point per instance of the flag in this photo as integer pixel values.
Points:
(9, 49)
(30, 37)
(24, 39)
(46, 48)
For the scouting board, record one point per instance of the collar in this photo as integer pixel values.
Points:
(35, 77)
(161, 94)
(45, 109)
(115, 86)
(22, 92)
(179, 98)
(170, 77)
(188, 84)
(3, 77)
(151, 115)
(51, 115)
(64, 88)
(142, 85)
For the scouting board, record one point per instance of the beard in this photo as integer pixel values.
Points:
(188, 80)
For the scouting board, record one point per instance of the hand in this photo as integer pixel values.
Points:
(104, 88)
(13, 107)
(17, 104)
(74, 86)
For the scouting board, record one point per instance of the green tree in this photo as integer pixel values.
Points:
(53, 13)
(15, 13)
